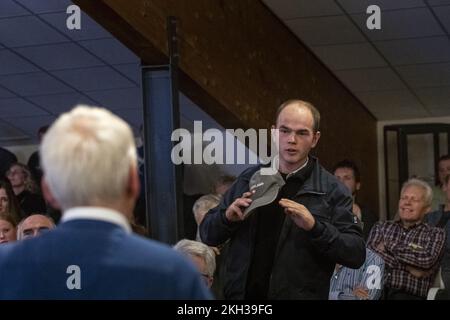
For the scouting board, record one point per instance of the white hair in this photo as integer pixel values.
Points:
(195, 248)
(86, 156)
(428, 192)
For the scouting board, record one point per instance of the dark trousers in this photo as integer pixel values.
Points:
(444, 294)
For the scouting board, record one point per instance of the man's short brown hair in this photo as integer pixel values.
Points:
(315, 113)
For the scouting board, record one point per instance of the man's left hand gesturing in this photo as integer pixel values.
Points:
(299, 214)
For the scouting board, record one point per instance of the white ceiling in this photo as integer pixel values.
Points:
(46, 69)
(402, 71)
(399, 72)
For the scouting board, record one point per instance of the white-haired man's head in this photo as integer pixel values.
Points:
(89, 159)
(415, 201)
(201, 255)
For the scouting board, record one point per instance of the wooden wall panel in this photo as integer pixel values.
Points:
(239, 62)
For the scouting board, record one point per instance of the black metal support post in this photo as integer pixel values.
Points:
(164, 181)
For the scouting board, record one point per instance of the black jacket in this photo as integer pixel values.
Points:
(304, 260)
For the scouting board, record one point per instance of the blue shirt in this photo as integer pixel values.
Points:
(369, 276)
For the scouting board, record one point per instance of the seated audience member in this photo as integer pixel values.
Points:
(440, 218)
(93, 254)
(201, 255)
(8, 201)
(33, 226)
(202, 206)
(438, 192)
(25, 189)
(365, 283)
(348, 173)
(7, 229)
(411, 248)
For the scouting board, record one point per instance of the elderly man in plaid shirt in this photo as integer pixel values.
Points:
(411, 248)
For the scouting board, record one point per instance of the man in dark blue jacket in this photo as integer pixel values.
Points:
(287, 231)
(90, 172)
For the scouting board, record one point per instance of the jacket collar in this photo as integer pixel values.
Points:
(293, 173)
(315, 182)
(97, 214)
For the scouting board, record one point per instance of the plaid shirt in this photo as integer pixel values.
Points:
(420, 246)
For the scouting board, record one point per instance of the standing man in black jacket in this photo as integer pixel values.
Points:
(287, 231)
